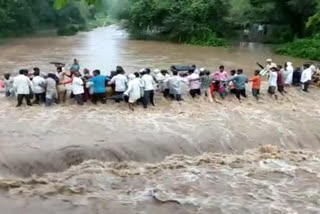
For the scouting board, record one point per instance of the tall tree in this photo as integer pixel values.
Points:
(294, 13)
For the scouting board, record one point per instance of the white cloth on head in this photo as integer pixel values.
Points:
(77, 86)
(148, 82)
(272, 65)
(120, 81)
(306, 75)
(39, 84)
(156, 71)
(22, 84)
(273, 77)
(288, 74)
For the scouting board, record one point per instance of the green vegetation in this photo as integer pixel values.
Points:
(303, 48)
(200, 22)
(19, 17)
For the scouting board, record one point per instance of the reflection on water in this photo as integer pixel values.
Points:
(105, 48)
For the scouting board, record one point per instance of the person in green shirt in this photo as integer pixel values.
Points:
(75, 66)
(206, 81)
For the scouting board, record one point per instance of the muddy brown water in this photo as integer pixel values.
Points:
(105, 48)
(193, 157)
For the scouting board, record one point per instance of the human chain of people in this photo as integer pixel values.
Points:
(35, 88)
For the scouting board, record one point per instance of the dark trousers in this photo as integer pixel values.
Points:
(148, 97)
(40, 98)
(99, 97)
(306, 86)
(119, 95)
(256, 93)
(194, 92)
(24, 96)
(166, 93)
(241, 92)
(79, 99)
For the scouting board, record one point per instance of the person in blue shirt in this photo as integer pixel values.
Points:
(99, 87)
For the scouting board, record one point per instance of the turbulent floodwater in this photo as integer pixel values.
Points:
(193, 157)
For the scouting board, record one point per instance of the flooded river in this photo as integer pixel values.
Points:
(105, 48)
(194, 157)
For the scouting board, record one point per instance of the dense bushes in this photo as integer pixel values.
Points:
(303, 48)
(198, 22)
(20, 17)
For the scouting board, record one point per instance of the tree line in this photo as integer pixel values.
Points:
(201, 22)
(19, 17)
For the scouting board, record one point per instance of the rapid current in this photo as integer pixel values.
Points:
(194, 157)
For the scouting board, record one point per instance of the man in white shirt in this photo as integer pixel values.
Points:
(22, 86)
(120, 81)
(39, 84)
(77, 88)
(134, 89)
(148, 84)
(306, 77)
(175, 85)
(194, 83)
(272, 82)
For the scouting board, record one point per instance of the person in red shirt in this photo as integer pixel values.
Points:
(280, 80)
(256, 84)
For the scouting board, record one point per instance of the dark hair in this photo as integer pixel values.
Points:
(194, 66)
(190, 71)
(221, 67)
(23, 71)
(77, 74)
(97, 72)
(306, 65)
(279, 67)
(36, 72)
(59, 69)
(207, 73)
(175, 73)
(6, 75)
(257, 72)
(36, 69)
(233, 72)
(136, 74)
(201, 73)
(120, 70)
(163, 72)
(274, 69)
(240, 71)
(147, 71)
(51, 75)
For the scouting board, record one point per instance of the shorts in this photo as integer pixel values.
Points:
(61, 88)
(255, 92)
(194, 92)
(272, 90)
(281, 88)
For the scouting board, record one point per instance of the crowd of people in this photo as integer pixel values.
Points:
(139, 87)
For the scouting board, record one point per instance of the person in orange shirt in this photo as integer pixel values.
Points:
(256, 83)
